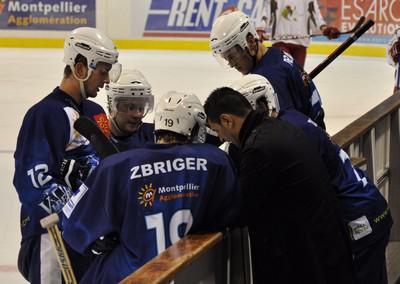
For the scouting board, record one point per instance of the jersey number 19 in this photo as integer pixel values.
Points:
(156, 221)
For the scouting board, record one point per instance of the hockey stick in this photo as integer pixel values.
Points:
(339, 50)
(397, 77)
(90, 130)
(50, 223)
(288, 37)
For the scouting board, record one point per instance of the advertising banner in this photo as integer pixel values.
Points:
(345, 13)
(194, 18)
(47, 14)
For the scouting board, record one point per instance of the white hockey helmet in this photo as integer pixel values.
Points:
(230, 30)
(181, 113)
(95, 46)
(133, 87)
(254, 87)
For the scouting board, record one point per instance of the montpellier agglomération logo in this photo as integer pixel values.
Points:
(146, 195)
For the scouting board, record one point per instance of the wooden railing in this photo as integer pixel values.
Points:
(373, 142)
(374, 138)
(201, 258)
(170, 263)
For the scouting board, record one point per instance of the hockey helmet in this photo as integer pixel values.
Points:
(131, 91)
(181, 113)
(95, 46)
(255, 87)
(230, 31)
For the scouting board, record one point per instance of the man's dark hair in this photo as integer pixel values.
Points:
(170, 137)
(226, 100)
(78, 59)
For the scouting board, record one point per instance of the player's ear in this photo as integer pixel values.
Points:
(81, 70)
(226, 120)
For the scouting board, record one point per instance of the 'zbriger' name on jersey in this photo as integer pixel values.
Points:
(162, 167)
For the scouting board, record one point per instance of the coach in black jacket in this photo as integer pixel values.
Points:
(296, 232)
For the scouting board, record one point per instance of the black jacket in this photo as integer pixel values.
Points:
(295, 227)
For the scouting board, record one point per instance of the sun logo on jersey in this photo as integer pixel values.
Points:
(147, 195)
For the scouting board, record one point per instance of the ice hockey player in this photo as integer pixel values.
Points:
(393, 57)
(291, 23)
(47, 142)
(129, 100)
(234, 42)
(365, 210)
(153, 196)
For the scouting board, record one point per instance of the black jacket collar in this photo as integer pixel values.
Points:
(253, 119)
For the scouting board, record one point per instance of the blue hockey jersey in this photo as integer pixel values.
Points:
(285, 77)
(151, 197)
(143, 135)
(46, 138)
(365, 210)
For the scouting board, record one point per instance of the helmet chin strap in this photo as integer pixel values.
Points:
(255, 56)
(82, 81)
(82, 89)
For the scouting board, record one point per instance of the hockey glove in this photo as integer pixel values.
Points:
(104, 243)
(262, 35)
(74, 173)
(331, 32)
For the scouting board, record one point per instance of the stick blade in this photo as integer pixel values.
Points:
(90, 130)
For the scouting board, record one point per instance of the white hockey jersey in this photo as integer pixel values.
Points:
(396, 37)
(297, 18)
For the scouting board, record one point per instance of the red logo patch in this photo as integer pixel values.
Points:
(102, 121)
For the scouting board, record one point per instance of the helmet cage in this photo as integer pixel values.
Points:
(143, 105)
(132, 86)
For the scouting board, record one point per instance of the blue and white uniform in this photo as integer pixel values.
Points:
(285, 77)
(364, 209)
(151, 197)
(46, 138)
